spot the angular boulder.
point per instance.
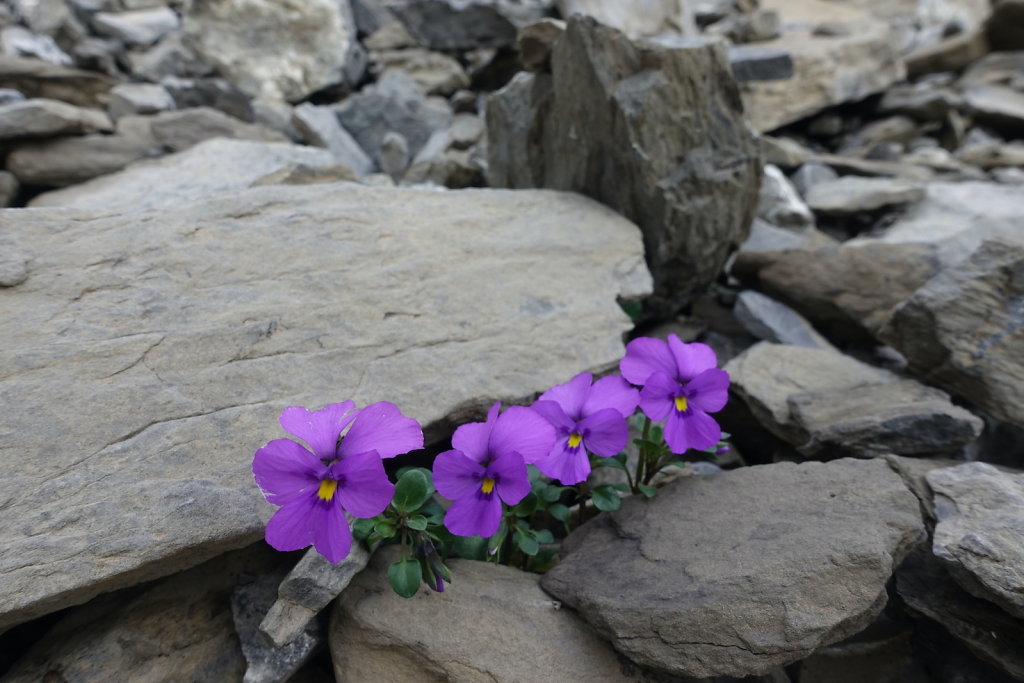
(734, 574)
(655, 131)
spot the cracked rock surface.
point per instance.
(150, 352)
(737, 573)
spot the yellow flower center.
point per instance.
(488, 485)
(575, 440)
(327, 489)
(681, 403)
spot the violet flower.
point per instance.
(682, 383)
(586, 417)
(487, 467)
(341, 474)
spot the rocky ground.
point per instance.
(223, 208)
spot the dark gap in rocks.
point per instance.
(16, 641)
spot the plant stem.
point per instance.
(641, 460)
(581, 493)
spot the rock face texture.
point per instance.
(980, 531)
(179, 335)
(493, 624)
(810, 548)
(964, 330)
(656, 133)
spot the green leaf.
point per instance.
(495, 541)
(657, 435)
(605, 498)
(433, 512)
(470, 547)
(405, 577)
(648, 491)
(417, 523)
(544, 536)
(559, 512)
(610, 462)
(385, 527)
(534, 474)
(551, 493)
(412, 490)
(526, 506)
(528, 544)
(362, 528)
(634, 309)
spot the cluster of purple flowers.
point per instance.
(341, 471)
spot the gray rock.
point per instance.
(767, 237)
(170, 57)
(951, 54)
(8, 96)
(208, 92)
(13, 261)
(66, 161)
(393, 155)
(772, 321)
(467, 24)
(313, 48)
(139, 98)
(997, 106)
(138, 27)
(767, 375)
(266, 663)
(851, 195)
(989, 155)
(915, 475)
(45, 118)
(737, 573)
(16, 41)
(177, 629)
(105, 55)
(779, 204)
(642, 19)
(535, 42)
(390, 36)
(964, 329)
(873, 167)
(35, 78)
(811, 174)
(320, 127)
(178, 364)
(9, 187)
(904, 418)
(436, 72)
(395, 103)
(754, 27)
(980, 531)
(440, 162)
(493, 623)
(922, 101)
(618, 138)
(179, 130)
(783, 151)
(371, 15)
(996, 68)
(305, 591)
(1008, 176)
(751, 63)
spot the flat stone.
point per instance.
(851, 195)
(36, 78)
(915, 475)
(783, 151)
(178, 364)
(436, 72)
(737, 573)
(45, 118)
(181, 129)
(997, 106)
(467, 24)
(320, 127)
(177, 629)
(779, 203)
(139, 98)
(691, 188)
(757, 63)
(873, 167)
(9, 187)
(773, 321)
(493, 623)
(980, 531)
(964, 330)
(17, 41)
(951, 54)
(811, 174)
(767, 237)
(209, 92)
(138, 27)
(535, 42)
(989, 155)
(642, 19)
(70, 160)
(922, 101)
(767, 375)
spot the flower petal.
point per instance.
(381, 427)
(363, 486)
(521, 430)
(605, 433)
(611, 392)
(511, 481)
(318, 428)
(474, 515)
(708, 391)
(658, 396)
(694, 429)
(472, 438)
(568, 465)
(645, 356)
(570, 395)
(553, 413)
(291, 527)
(456, 475)
(691, 359)
(285, 470)
(332, 538)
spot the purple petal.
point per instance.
(511, 481)
(658, 396)
(381, 427)
(691, 359)
(456, 475)
(285, 470)
(291, 527)
(644, 357)
(553, 413)
(474, 515)
(472, 438)
(709, 391)
(363, 486)
(521, 430)
(605, 433)
(612, 392)
(570, 395)
(693, 429)
(332, 537)
(568, 465)
(318, 428)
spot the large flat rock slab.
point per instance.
(148, 354)
(737, 573)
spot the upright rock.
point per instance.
(654, 131)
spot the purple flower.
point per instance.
(586, 418)
(315, 489)
(680, 382)
(487, 467)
